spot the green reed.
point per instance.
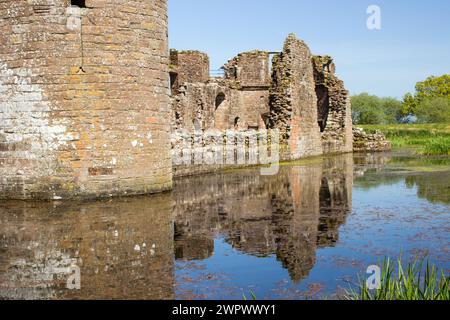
(417, 281)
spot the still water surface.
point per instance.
(304, 233)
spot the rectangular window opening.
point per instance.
(78, 3)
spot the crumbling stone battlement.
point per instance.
(293, 102)
(188, 67)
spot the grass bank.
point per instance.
(427, 139)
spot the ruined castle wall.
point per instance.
(302, 99)
(253, 107)
(215, 108)
(217, 105)
(293, 101)
(203, 106)
(334, 107)
(84, 99)
(211, 151)
(249, 69)
(191, 66)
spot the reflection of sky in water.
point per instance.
(386, 220)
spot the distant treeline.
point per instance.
(429, 104)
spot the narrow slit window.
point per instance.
(78, 3)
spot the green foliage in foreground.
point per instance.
(251, 294)
(418, 281)
(428, 139)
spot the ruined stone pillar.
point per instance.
(84, 98)
(293, 101)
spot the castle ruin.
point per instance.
(291, 91)
(91, 100)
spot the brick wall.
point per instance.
(249, 69)
(190, 66)
(84, 99)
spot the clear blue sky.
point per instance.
(414, 41)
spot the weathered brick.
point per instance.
(70, 79)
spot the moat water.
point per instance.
(305, 233)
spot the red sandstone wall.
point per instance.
(249, 69)
(84, 98)
(293, 101)
(334, 107)
(191, 66)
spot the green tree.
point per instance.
(434, 110)
(370, 109)
(433, 87)
(409, 105)
(393, 110)
(431, 100)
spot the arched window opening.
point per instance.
(219, 100)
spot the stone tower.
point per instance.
(84, 98)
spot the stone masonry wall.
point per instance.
(293, 101)
(84, 99)
(334, 107)
(302, 99)
(249, 69)
(236, 103)
(190, 66)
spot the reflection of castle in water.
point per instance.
(125, 247)
(290, 214)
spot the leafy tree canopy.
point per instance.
(430, 89)
(369, 109)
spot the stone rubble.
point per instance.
(375, 142)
